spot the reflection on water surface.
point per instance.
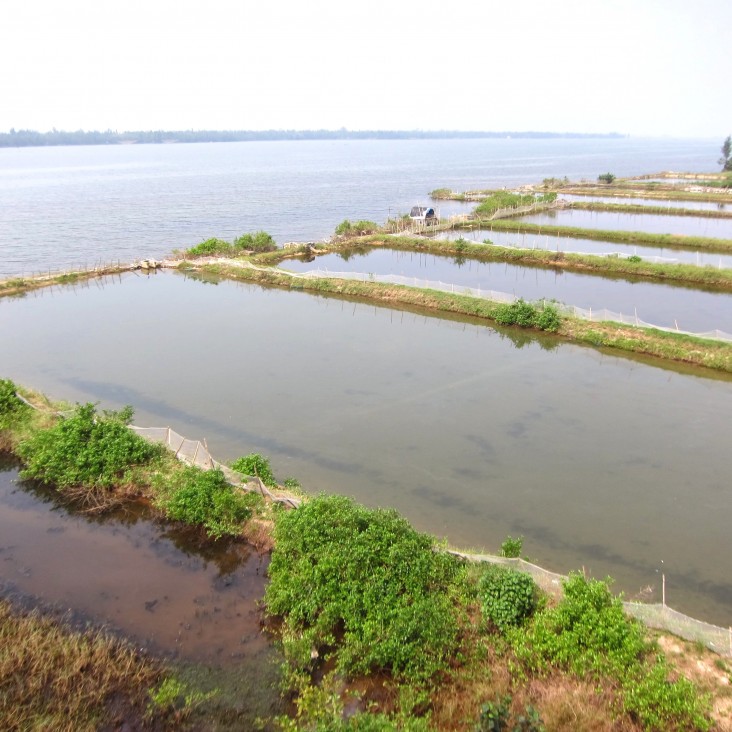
(473, 434)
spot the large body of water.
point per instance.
(70, 206)
(613, 463)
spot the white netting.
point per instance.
(504, 297)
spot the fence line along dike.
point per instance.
(658, 615)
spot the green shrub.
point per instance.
(512, 547)
(255, 464)
(12, 409)
(209, 248)
(356, 228)
(203, 497)
(259, 241)
(548, 318)
(86, 449)
(507, 597)
(366, 581)
(660, 704)
(606, 178)
(634, 258)
(586, 633)
(545, 317)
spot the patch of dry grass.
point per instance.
(52, 678)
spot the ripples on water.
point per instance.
(71, 206)
(472, 433)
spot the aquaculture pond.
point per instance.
(692, 205)
(154, 584)
(648, 223)
(612, 463)
(523, 240)
(662, 304)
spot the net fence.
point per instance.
(595, 315)
(658, 616)
(195, 452)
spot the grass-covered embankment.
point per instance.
(687, 274)
(671, 346)
(638, 208)
(627, 237)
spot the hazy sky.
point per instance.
(643, 67)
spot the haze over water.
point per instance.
(72, 206)
(601, 461)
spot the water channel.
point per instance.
(522, 240)
(157, 585)
(612, 463)
(649, 223)
(654, 302)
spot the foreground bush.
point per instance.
(12, 409)
(507, 597)
(589, 635)
(257, 465)
(365, 581)
(204, 498)
(87, 449)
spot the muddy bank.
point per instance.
(194, 603)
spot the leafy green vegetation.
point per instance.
(257, 465)
(505, 199)
(356, 228)
(507, 597)
(511, 547)
(606, 178)
(588, 634)
(363, 581)
(12, 409)
(259, 241)
(86, 449)
(543, 316)
(205, 498)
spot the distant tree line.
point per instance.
(32, 138)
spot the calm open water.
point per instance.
(599, 461)
(71, 206)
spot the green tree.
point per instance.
(726, 160)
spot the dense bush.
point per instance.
(507, 597)
(606, 178)
(259, 241)
(356, 228)
(511, 547)
(86, 449)
(544, 317)
(203, 497)
(12, 409)
(366, 580)
(209, 248)
(255, 464)
(586, 633)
